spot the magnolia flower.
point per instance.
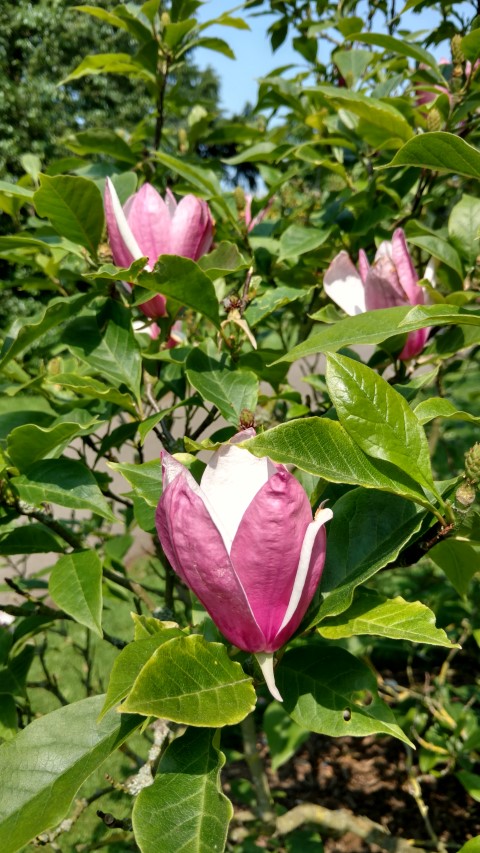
(147, 226)
(244, 541)
(390, 281)
(250, 221)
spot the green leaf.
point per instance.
(203, 179)
(367, 532)
(463, 227)
(45, 764)
(75, 585)
(74, 206)
(283, 734)
(30, 539)
(403, 48)
(28, 443)
(8, 717)
(438, 248)
(87, 386)
(439, 407)
(146, 478)
(376, 113)
(106, 342)
(378, 418)
(184, 810)
(224, 259)
(440, 151)
(65, 482)
(56, 313)
(184, 281)
(101, 141)
(352, 64)
(471, 783)
(190, 681)
(472, 846)
(216, 44)
(373, 327)
(16, 190)
(125, 21)
(130, 663)
(230, 389)
(324, 448)
(297, 240)
(327, 690)
(109, 272)
(109, 63)
(458, 560)
(272, 300)
(395, 618)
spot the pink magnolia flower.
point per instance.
(148, 226)
(390, 281)
(427, 95)
(244, 541)
(250, 221)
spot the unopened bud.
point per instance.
(465, 494)
(247, 419)
(165, 19)
(472, 463)
(240, 200)
(434, 120)
(458, 56)
(232, 302)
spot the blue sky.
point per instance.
(254, 57)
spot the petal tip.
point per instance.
(265, 662)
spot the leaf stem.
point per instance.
(257, 770)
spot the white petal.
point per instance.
(171, 202)
(321, 517)
(265, 662)
(385, 250)
(230, 481)
(123, 226)
(429, 273)
(343, 284)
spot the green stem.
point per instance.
(257, 771)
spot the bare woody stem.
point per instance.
(257, 771)
(162, 85)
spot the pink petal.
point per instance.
(171, 202)
(406, 271)
(363, 265)
(266, 549)
(414, 344)
(123, 244)
(155, 307)
(344, 285)
(195, 549)
(382, 287)
(310, 567)
(192, 228)
(149, 219)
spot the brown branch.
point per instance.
(339, 822)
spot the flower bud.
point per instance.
(472, 463)
(465, 494)
(434, 120)
(245, 542)
(458, 56)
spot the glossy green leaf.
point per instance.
(375, 112)
(130, 663)
(119, 18)
(8, 717)
(327, 690)
(65, 482)
(373, 327)
(284, 736)
(203, 179)
(439, 407)
(45, 764)
(459, 560)
(471, 783)
(323, 447)
(106, 342)
(438, 248)
(16, 190)
(472, 846)
(443, 152)
(230, 389)
(59, 310)
(463, 227)
(224, 259)
(190, 681)
(367, 532)
(185, 809)
(109, 63)
(146, 478)
(74, 206)
(401, 47)
(101, 141)
(272, 300)
(471, 45)
(378, 418)
(75, 584)
(87, 386)
(28, 443)
(184, 281)
(30, 538)
(395, 618)
(297, 240)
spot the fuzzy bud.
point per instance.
(247, 419)
(465, 494)
(458, 56)
(165, 19)
(434, 120)
(240, 200)
(472, 463)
